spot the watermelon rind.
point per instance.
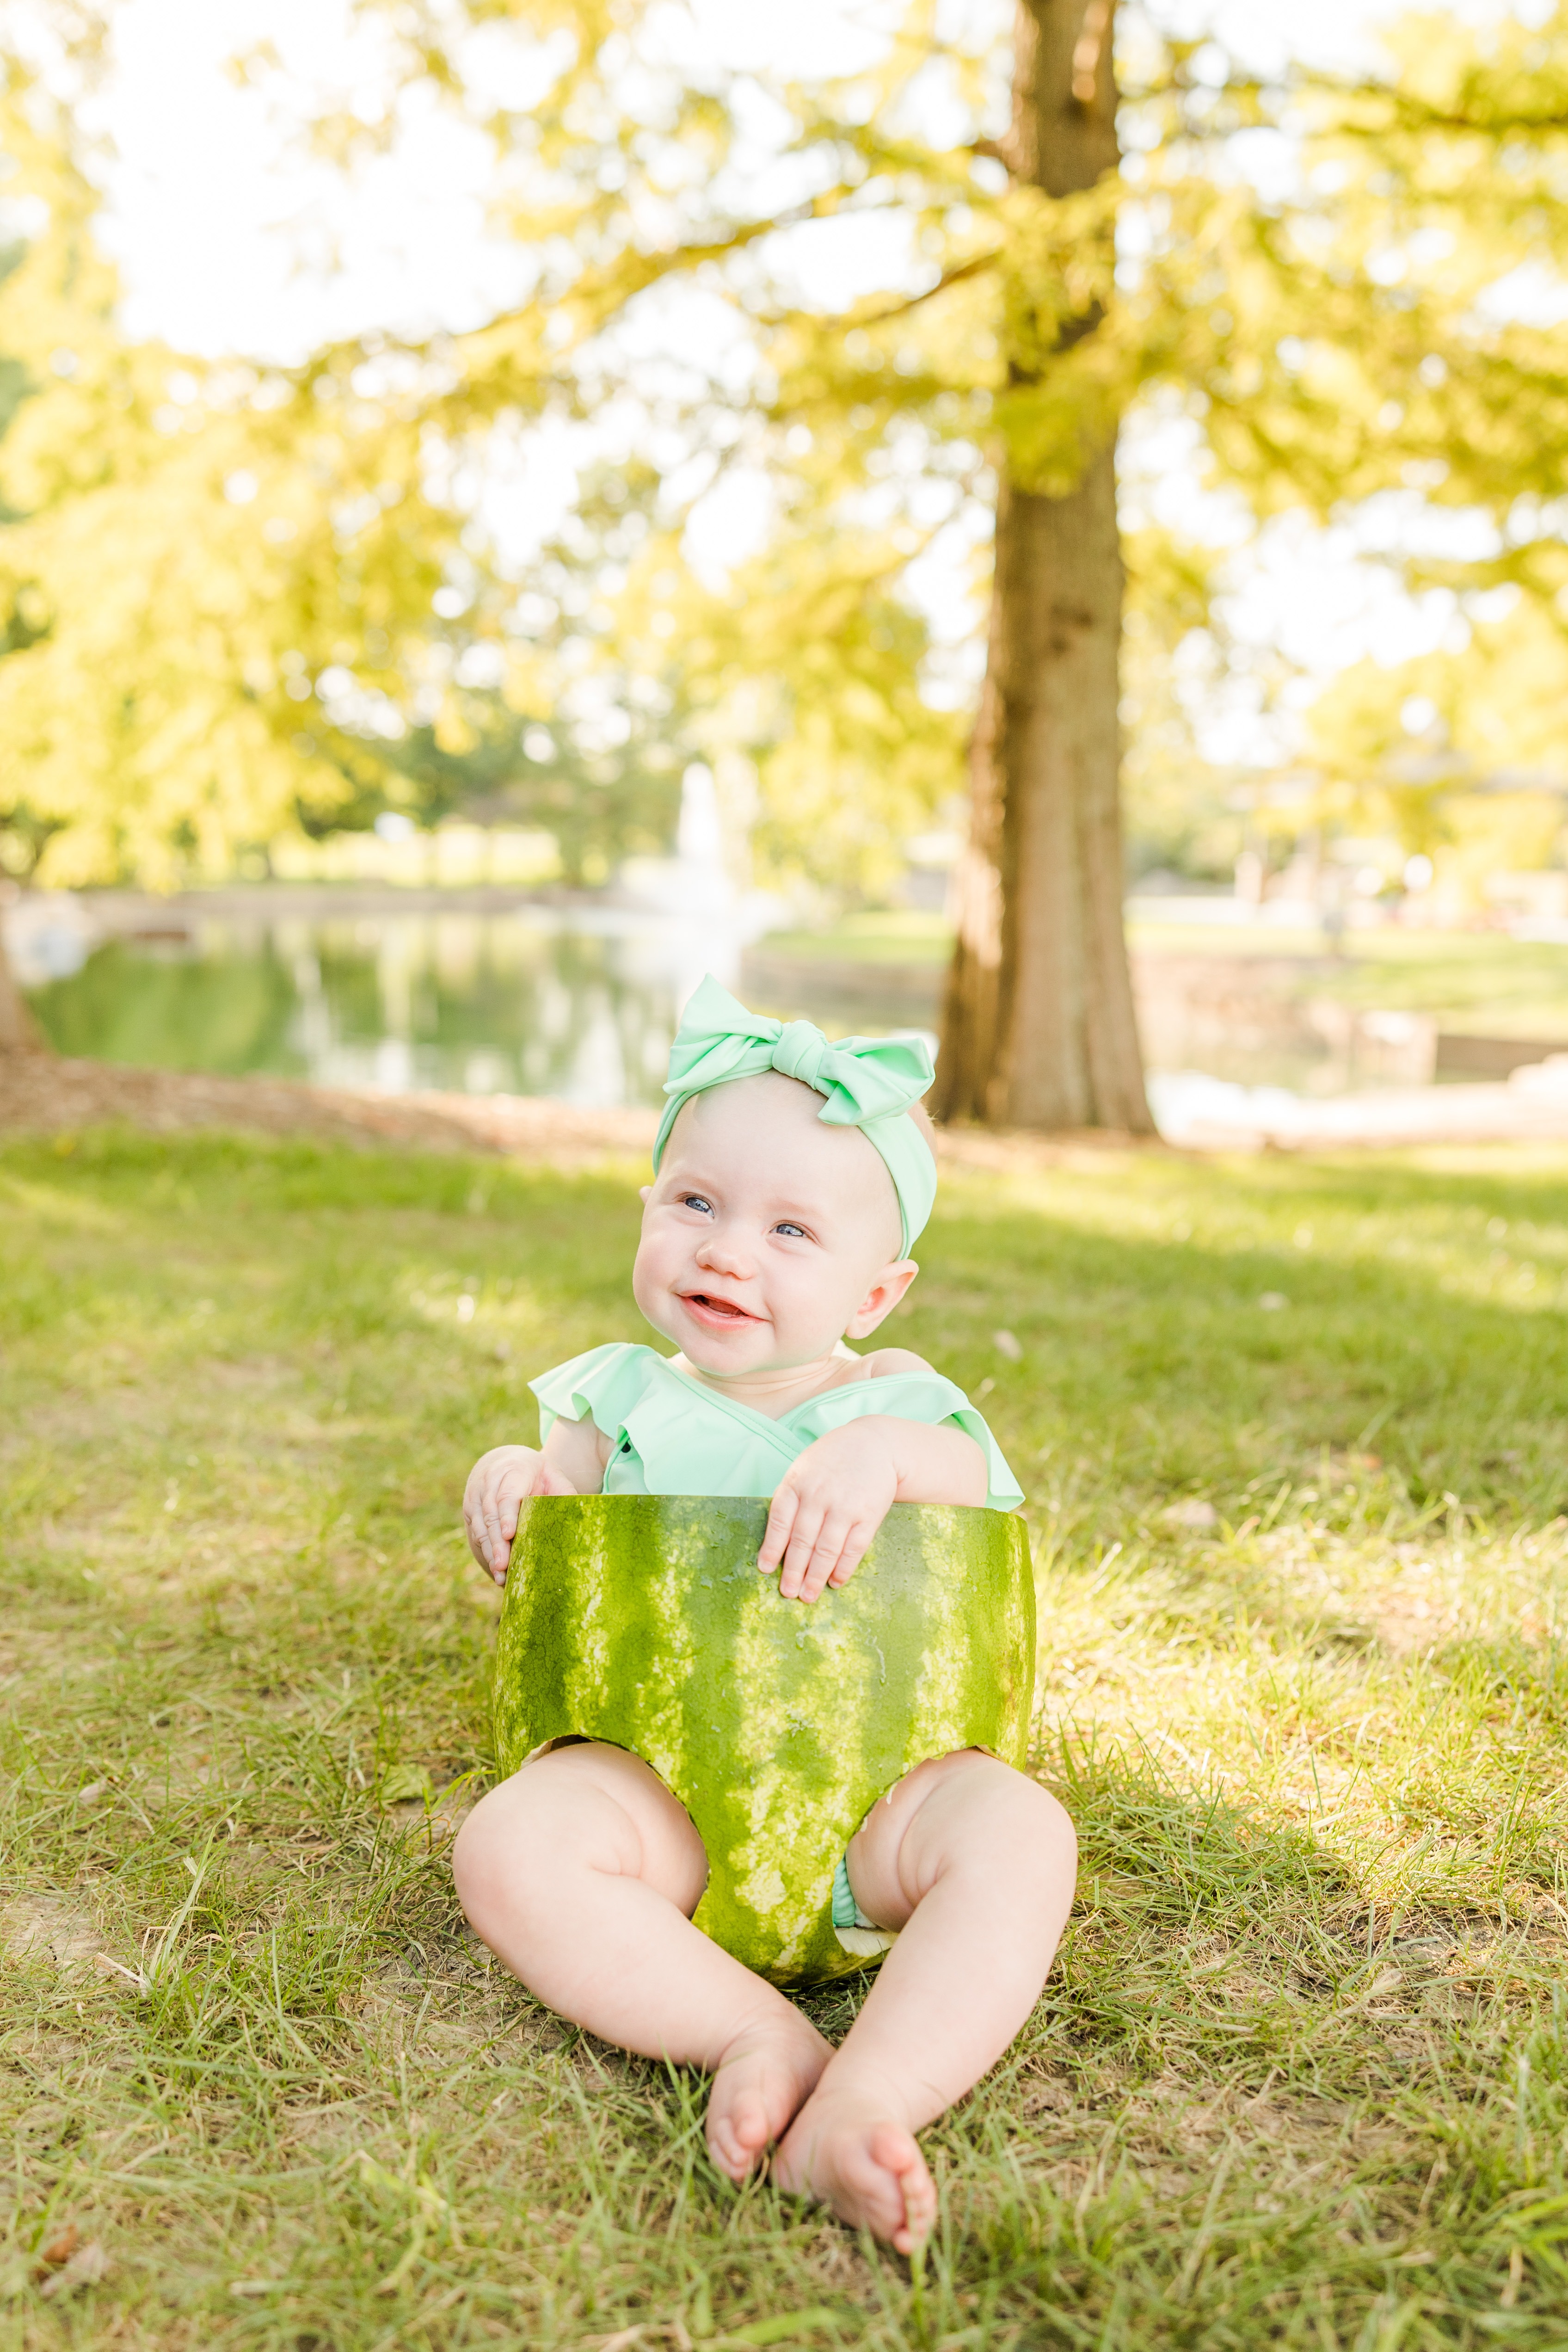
(642, 1620)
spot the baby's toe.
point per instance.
(913, 2192)
(737, 2135)
(725, 2149)
(862, 2186)
(750, 2127)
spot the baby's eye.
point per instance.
(696, 1201)
(794, 1233)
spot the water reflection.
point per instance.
(479, 1004)
(579, 1001)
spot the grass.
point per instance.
(879, 935)
(1477, 982)
(1300, 2076)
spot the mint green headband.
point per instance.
(870, 1083)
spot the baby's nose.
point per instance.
(723, 1253)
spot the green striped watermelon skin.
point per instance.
(642, 1620)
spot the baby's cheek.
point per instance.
(644, 1267)
(829, 1292)
(803, 1306)
(652, 1275)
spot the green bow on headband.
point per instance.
(869, 1082)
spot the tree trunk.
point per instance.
(19, 1032)
(1037, 1028)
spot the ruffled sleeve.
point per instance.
(919, 1396)
(601, 1386)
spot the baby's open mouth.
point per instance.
(717, 1312)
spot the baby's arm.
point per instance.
(570, 1462)
(833, 1497)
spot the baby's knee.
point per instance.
(998, 1802)
(476, 1851)
(1046, 1825)
(510, 1848)
(1017, 1846)
(1005, 1829)
(967, 1816)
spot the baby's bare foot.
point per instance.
(757, 2084)
(845, 2148)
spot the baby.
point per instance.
(778, 1227)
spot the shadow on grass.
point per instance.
(1151, 1355)
(1203, 1361)
(1194, 1861)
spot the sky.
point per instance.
(229, 238)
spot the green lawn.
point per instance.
(1298, 2078)
(880, 936)
(1479, 982)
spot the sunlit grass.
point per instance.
(1479, 982)
(1294, 1438)
(902, 935)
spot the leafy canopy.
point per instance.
(242, 594)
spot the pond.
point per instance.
(578, 1000)
(518, 1001)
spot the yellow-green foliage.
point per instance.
(1462, 756)
(1354, 330)
(186, 550)
(1348, 334)
(1178, 808)
(806, 672)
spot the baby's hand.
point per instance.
(498, 1483)
(829, 1504)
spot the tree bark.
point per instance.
(1037, 1028)
(19, 1032)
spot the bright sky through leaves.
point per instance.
(230, 237)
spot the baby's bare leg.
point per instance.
(580, 1873)
(976, 1864)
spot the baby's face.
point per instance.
(768, 1237)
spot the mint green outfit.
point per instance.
(673, 1436)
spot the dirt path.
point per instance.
(42, 1095)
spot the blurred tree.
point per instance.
(18, 823)
(239, 600)
(551, 718)
(1461, 757)
(605, 728)
(1323, 287)
(799, 684)
(1326, 292)
(1180, 808)
(191, 558)
(188, 557)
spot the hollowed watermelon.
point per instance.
(642, 1620)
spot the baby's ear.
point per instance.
(882, 1298)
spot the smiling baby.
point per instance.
(779, 1228)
